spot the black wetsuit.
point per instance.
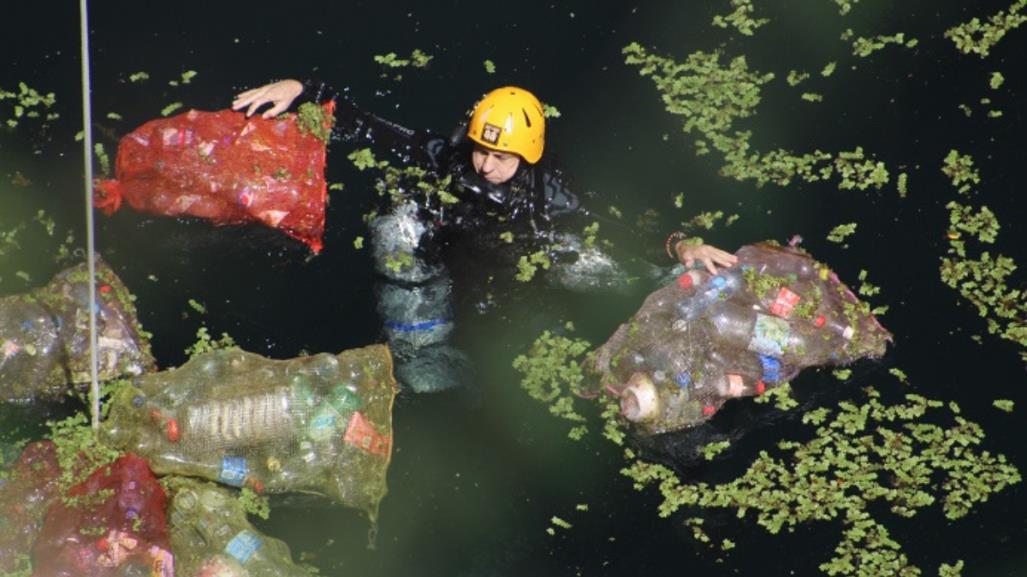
(532, 211)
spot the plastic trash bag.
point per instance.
(26, 493)
(211, 536)
(320, 424)
(44, 335)
(227, 168)
(702, 340)
(115, 526)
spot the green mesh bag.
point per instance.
(320, 424)
(44, 335)
(211, 537)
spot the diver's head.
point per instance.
(507, 126)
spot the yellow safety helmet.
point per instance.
(509, 119)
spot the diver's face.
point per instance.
(493, 165)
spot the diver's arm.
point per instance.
(352, 124)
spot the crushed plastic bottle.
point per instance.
(319, 424)
(699, 342)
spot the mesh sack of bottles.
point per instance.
(227, 168)
(111, 524)
(319, 424)
(27, 489)
(705, 339)
(211, 536)
(44, 335)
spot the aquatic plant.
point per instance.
(864, 47)
(841, 232)
(552, 374)
(28, 103)
(977, 37)
(860, 454)
(712, 97)
(741, 18)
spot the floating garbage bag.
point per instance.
(111, 524)
(25, 494)
(44, 335)
(320, 424)
(211, 537)
(227, 168)
(704, 339)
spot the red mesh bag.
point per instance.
(227, 168)
(117, 527)
(25, 496)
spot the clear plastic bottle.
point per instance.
(718, 288)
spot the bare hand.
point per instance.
(280, 94)
(708, 255)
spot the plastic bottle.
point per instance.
(718, 288)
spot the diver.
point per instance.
(493, 164)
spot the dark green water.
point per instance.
(476, 478)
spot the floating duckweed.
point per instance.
(864, 47)
(679, 200)
(781, 395)
(138, 76)
(528, 265)
(101, 156)
(902, 184)
(581, 507)
(828, 69)
(28, 102)
(795, 77)
(899, 374)
(865, 453)
(188, 76)
(550, 111)
(711, 450)
(506, 237)
(1004, 405)
(358, 242)
(79, 451)
(842, 374)
(865, 288)
(812, 97)
(712, 97)
(552, 372)
(976, 37)
(167, 110)
(841, 232)
(844, 6)
(398, 261)
(960, 168)
(705, 220)
(205, 343)
(390, 60)
(996, 80)
(967, 111)
(255, 504)
(490, 66)
(741, 19)
(197, 306)
(364, 159)
(311, 119)
(419, 59)
(113, 116)
(560, 522)
(589, 234)
(731, 219)
(946, 570)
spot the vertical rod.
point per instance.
(87, 144)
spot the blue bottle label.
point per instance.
(243, 546)
(233, 471)
(771, 368)
(683, 379)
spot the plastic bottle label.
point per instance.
(243, 546)
(683, 379)
(771, 368)
(784, 303)
(323, 424)
(769, 335)
(735, 385)
(233, 471)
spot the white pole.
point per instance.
(87, 144)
